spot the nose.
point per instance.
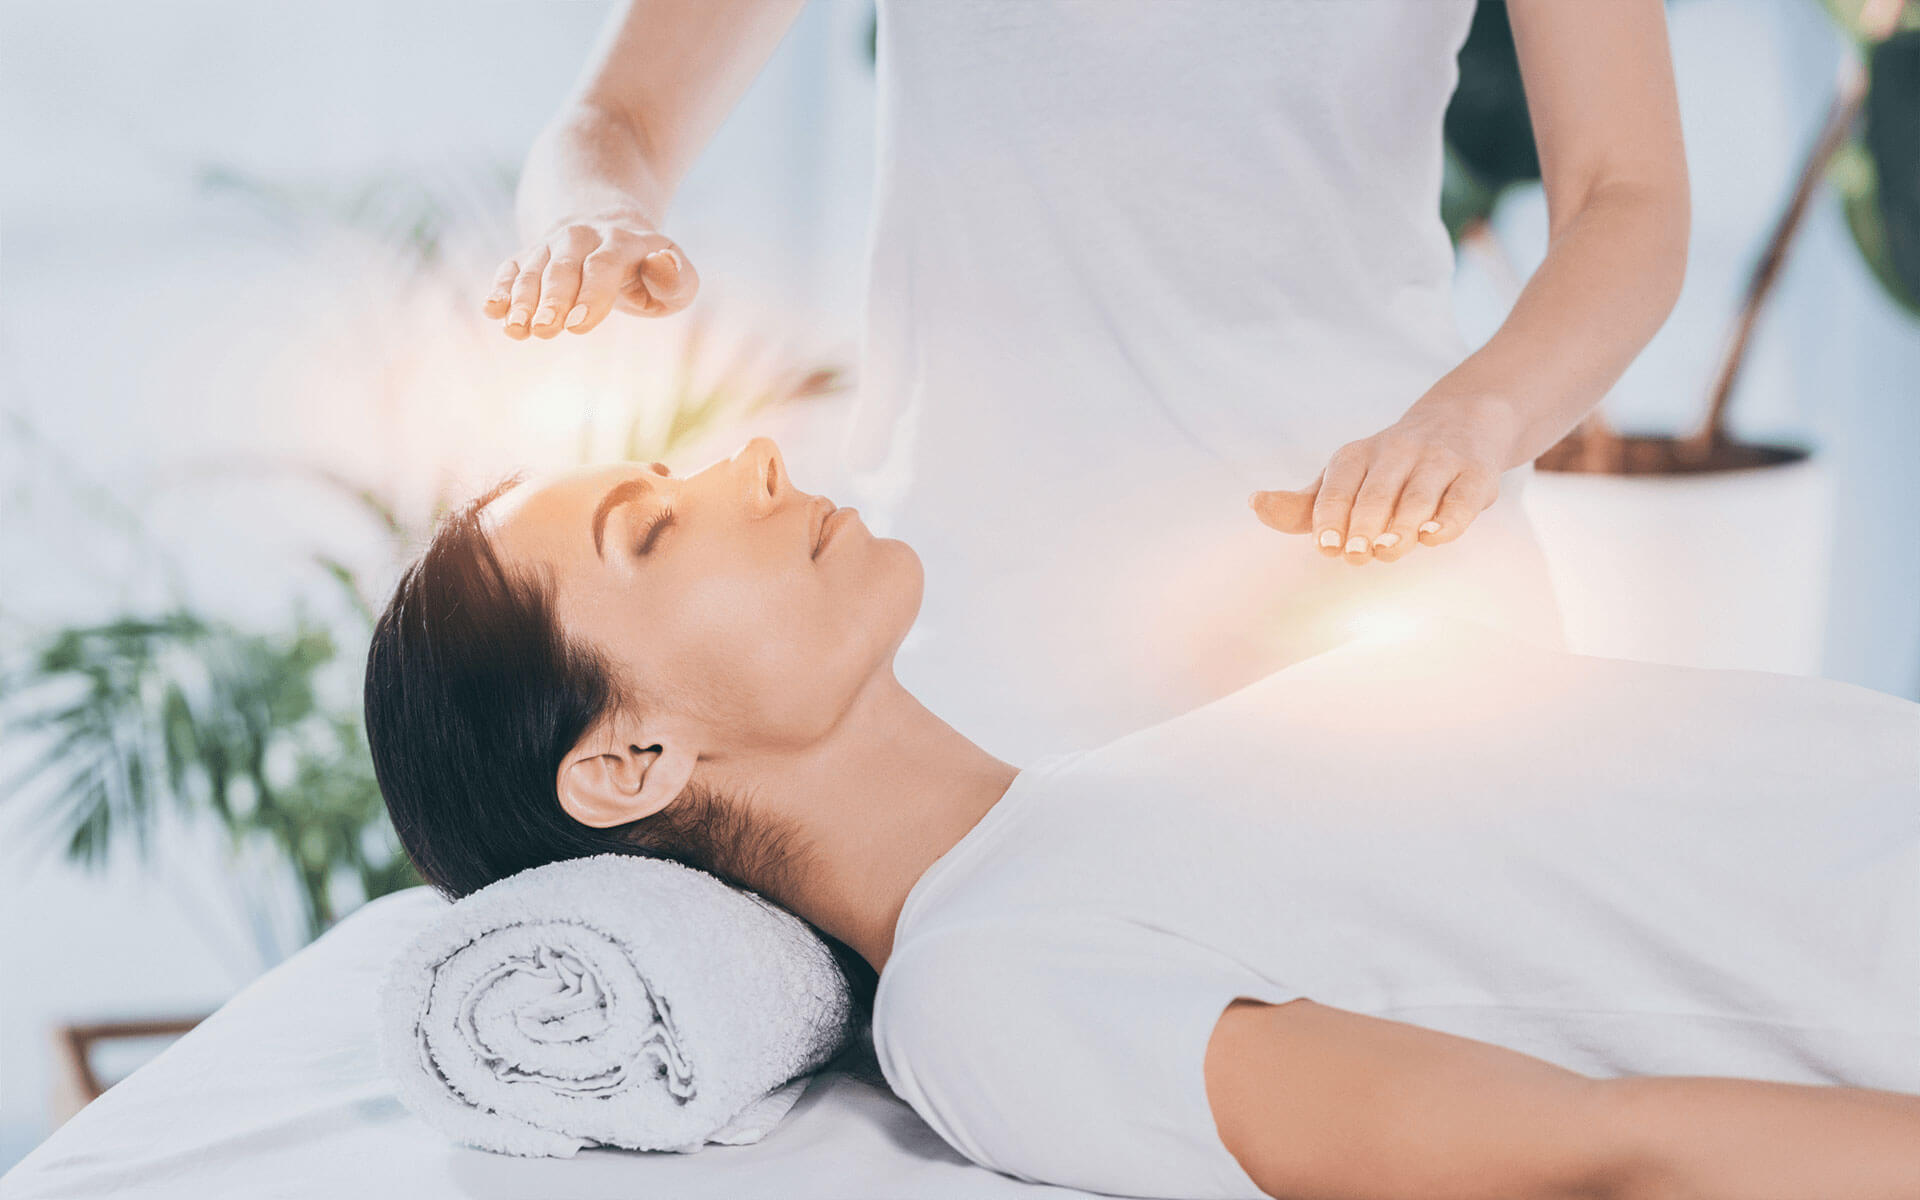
(763, 473)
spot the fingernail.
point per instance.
(1329, 537)
(498, 298)
(1386, 541)
(577, 317)
(1253, 499)
(517, 318)
(1356, 544)
(1430, 527)
(667, 263)
(545, 317)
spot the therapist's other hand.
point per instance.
(1421, 480)
(585, 268)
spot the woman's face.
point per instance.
(706, 593)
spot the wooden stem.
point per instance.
(1880, 19)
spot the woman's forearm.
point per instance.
(1737, 1139)
(665, 75)
(1607, 283)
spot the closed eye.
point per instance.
(651, 533)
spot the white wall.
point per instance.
(144, 323)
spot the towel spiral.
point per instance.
(613, 1000)
(573, 993)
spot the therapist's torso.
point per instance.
(1130, 260)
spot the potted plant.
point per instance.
(1608, 503)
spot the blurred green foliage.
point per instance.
(136, 713)
(1488, 130)
(1878, 173)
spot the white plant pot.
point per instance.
(1714, 570)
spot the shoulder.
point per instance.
(952, 1013)
(1065, 1049)
(946, 985)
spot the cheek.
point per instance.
(765, 651)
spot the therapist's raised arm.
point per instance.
(1606, 117)
(599, 178)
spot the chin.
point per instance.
(906, 579)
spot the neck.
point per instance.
(889, 790)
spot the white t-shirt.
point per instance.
(1131, 260)
(1622, 868)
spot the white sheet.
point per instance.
(280, 1093)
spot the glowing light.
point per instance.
(1385, 625)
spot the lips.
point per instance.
(822, 511)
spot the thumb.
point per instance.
(1287, 511)
(669, 278)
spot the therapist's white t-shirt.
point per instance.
(1622, 868)
(1131, 260)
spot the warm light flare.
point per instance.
(1385, 625)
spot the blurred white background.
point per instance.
(154, 321)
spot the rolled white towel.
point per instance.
(611, 1000)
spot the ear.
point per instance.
(615, 774)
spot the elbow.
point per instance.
(1665, 227)
(1671, 233)
(1651, 221)
(1678, 221)
(1666, 224)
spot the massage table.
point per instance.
(280, 1093)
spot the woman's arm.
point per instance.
(1316, 1101)
(1606, 119)
(1740, 1139)
(599, 178)
(1319, 1102)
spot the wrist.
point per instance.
(590, 165)
(1485, 425)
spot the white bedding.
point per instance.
(280, 1093)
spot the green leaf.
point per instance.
(1853, 175)
(1487, 123)
(1892, 137)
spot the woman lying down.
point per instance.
(1421, 918)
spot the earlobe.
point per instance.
(606, 781)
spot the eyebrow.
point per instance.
(620, 493)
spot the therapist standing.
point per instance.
(1160, 374)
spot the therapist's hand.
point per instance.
(1422, 480)
(586, 267)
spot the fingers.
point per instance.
(560, 282)
(1331, 507)
(1287, 511)
(1373, 507)
(1416, 506)
(1379, 498)
(1467, 497)
(500, 295)
(620, 273)
(600, 278)
(525, 293)
(584, 271)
